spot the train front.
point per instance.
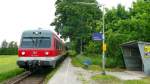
(35, 49)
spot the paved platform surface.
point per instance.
(66, 74)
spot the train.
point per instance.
(40, 48)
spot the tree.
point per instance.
(4, 44)
(123, 26)
(12, 44)
(77, 21)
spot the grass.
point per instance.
(108, 79)
(95, 68)
(78, 61)
(145, 80)
(8, 67)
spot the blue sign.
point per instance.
(97, 36)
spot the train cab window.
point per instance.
(27, 42)
(44, 42)
(36, 42)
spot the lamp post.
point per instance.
(103, 35)
(104, 45)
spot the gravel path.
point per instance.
(65, 74)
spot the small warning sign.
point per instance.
(104, 47)
(147, 51)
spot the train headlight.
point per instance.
(46, 53)
(36, 33)
(23, 53)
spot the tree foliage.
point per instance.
(79, 21)
(8, 48)
(126, 25)
(4, 44)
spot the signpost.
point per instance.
(100, 37)
(97, 36)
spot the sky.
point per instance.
(19, 15)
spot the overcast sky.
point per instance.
(19, 15)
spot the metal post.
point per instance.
(81, 47)
(103, 54)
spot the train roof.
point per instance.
(37, 33)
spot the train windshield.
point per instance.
(36, 42)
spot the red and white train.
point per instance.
(39, 48)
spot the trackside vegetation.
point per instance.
(107, 79)
(8, 67)
(79, 21)
(96, 64)
(78, 61)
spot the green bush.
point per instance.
(76, 62)
(95, 59)
(72, 53)
(92, 48)
(111, 62)
(8, 51)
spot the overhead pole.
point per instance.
(103, 44)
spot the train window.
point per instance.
(27, 42)
(57, 44)
(44, 42)
(36, 42)
(54, 43)
(60, 46)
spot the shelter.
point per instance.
(137, 56)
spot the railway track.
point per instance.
(35, 77)
(28, 77)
